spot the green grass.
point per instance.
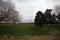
(25, 29)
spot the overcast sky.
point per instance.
(28, 8)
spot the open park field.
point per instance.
(28, 32)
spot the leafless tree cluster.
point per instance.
(8, 12)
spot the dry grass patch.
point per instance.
(42, 37)
(28, 37)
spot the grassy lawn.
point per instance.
(25, 29)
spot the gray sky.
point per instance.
(28, 8)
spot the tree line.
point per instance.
(46, 18)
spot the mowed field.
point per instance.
(25, 29)
(26, 32)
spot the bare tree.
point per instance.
(8, 12)
(57, 12)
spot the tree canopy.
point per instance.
(46, 18)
